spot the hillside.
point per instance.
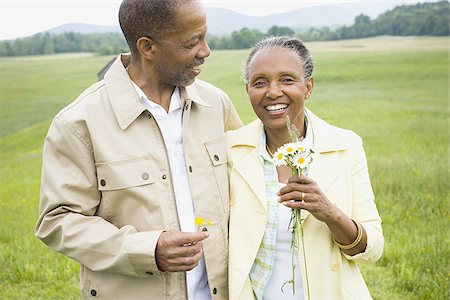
(224, 21)
(431, 19)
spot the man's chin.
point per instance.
(186, 83)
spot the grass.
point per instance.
(394, 97)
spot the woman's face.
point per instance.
(277, 87)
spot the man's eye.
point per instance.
(192, 45)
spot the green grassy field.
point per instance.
(391, 91)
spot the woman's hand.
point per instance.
(342, 228)
(300, 187)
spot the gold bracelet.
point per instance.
(356, 241)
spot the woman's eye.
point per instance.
(258, 83)
(287, 80)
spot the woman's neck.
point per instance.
(276, 138)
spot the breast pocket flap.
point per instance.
(216, 151)
(123, 174)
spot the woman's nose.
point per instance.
(274, 91)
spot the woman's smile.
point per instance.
(276, 107)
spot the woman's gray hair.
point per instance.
(282, 42)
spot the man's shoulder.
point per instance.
(204, 85)
(205, 90)
(89, 99)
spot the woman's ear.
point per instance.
(310, 85)
(146, 47)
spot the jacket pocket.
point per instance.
(123, 174)
(217, 154)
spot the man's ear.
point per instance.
(146, 47)
(246, 87)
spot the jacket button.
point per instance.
(334, 267)
(102, 182)
(164, 177)
(204, 229)
(190, 169)
(214, 291)
(216, 158)
(94, 293)
(145, 176)
(186, 106)
(149, 115)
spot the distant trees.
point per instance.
(45, 43)
(246, 38)
(419, 19)
(431, 18)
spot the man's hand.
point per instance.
(178, 251)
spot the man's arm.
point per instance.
(69, 200)
(231, 118)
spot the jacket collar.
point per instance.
(124, 98)
(326, 137)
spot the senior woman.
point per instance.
(341, 225)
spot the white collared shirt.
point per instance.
(170, 124)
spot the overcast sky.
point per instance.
(20, 18)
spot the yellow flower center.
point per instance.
(280, 156)
(300, 160)
(198, 221)
(289, 149)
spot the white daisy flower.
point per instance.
(289, 148)
(301, 160)
(279, 158)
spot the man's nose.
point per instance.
(205, 51)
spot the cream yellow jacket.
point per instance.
(340, 169)
(106, 190)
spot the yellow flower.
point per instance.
(198, 221)
(208, 222)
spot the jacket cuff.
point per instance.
(141, 248)
(374, 248)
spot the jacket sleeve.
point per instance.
(231, 117)
(364, 209)
(69, 199)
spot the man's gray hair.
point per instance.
(147, 18)
(283, 42)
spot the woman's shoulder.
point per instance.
(245, 135)
(331, 135)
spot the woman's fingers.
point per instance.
(300, 179)
(294, 195)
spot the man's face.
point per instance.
(184, 48)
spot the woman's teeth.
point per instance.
(276, 107)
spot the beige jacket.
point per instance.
(106, 191)
(340, 169)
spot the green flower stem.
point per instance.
(304, 253)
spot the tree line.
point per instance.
(46, 43)
(419, 19)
